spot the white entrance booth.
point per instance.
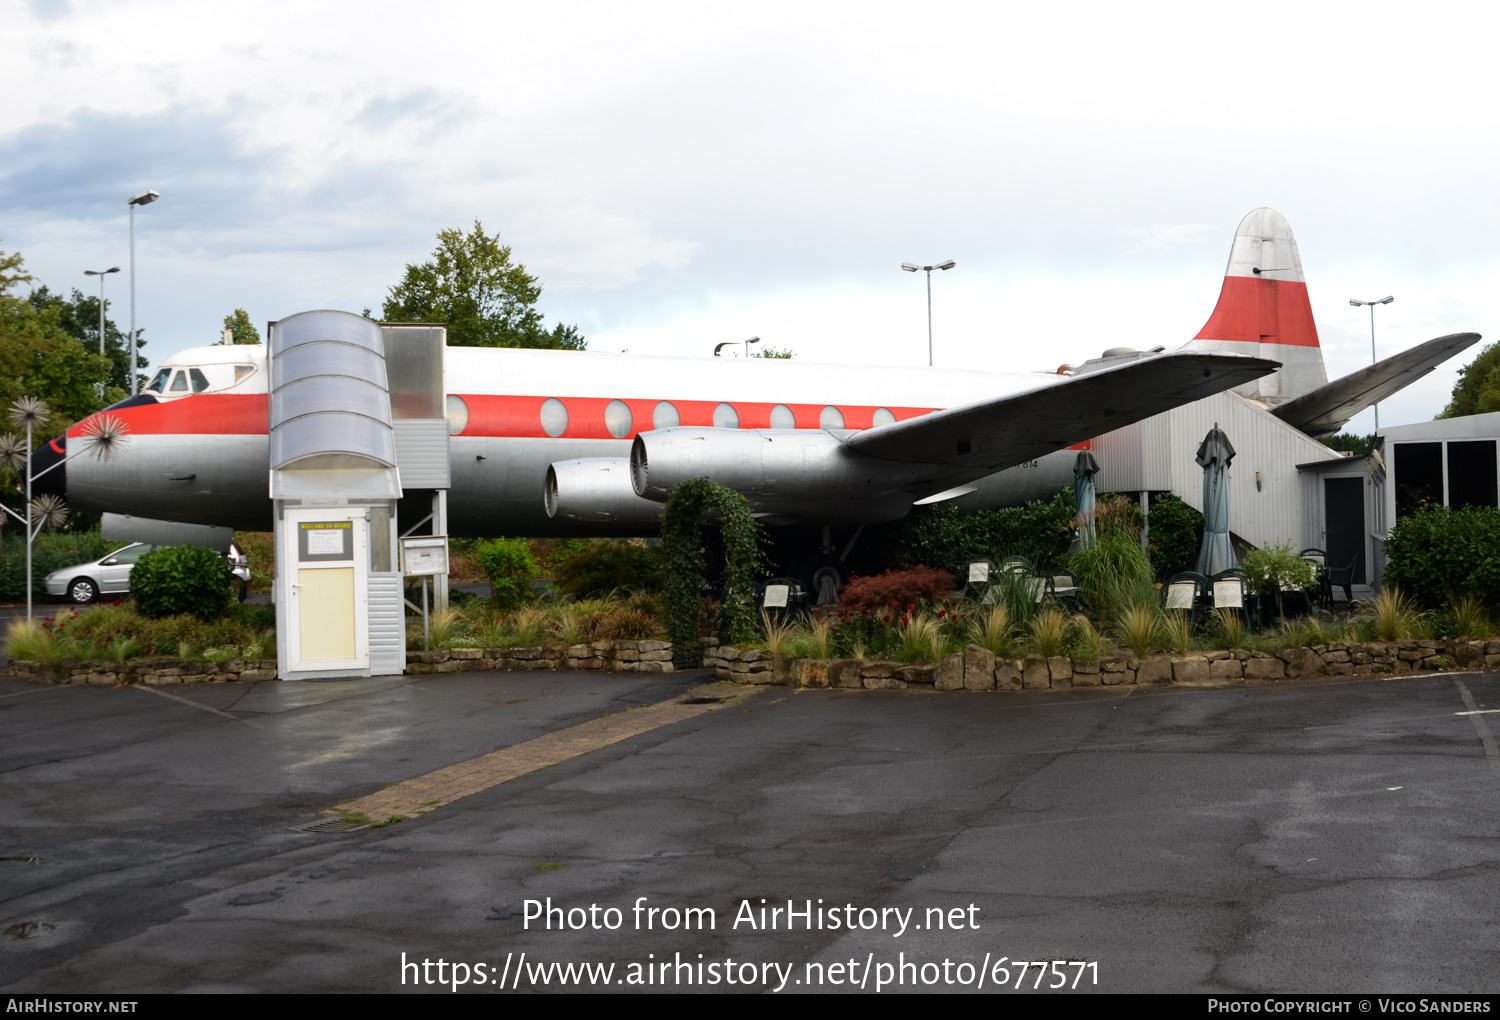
(352, 406)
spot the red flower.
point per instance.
(910, 606)
(942, 613)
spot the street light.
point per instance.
(726, 343)
(1356, 302)
(144, 198)
(101, 273)
(912, 267)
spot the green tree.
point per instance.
(241, 329)
(471, 285)
(79, 318)
(1348, 442)
(1478, 388)
(777, 353)
(39, 358)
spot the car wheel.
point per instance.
(244, 590)
(82, 590)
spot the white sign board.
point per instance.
(776, 595)
(979, 573)
(424, 556)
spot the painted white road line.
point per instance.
(1476, 716)
(1480, 711)
(192, 704)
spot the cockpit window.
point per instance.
(179, 383)
(200, 381)
(241, 371)
(160, 380)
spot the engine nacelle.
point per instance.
(597, 490)
(767, 465)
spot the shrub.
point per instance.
(1139, 629)
(1273, 569)
(629, 625)
(1438, 553)
(1113, 574)
(921, 638)
(1049, 631)
(1390, 616)
(991, 629)
(182, 579)
(895, 589)
(629, 565)
(510, 567)
(946, 537)
(1175, 534)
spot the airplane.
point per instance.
(560, 443)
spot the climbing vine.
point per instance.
(682, 523)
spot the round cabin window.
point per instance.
(554, 417)
(782, 417)
(883, 417)
(665, 416)
(617, 418)
(831, 418)
(458, 414)
(726, 417)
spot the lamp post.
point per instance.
(144, 198)
(101, 273)
(1356, 302)
(912, 267)
(726, 343)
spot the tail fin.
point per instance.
(1263, 310)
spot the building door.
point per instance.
(1344, 523)
(327, 606)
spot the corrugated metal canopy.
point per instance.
(330, 407)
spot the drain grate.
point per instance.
(332, 825)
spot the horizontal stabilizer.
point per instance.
(1326, 409)
(980, 438)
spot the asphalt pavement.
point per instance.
(1329, 836)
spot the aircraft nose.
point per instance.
(43, 457)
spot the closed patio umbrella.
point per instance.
(1215, 456)
(1084, 498)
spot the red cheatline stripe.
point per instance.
(489, 416)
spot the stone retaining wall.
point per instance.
(978, 670)
(144, 671)
(973, 670)
(618, 656)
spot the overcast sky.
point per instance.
(681, 174)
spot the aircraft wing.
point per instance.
(1325, 410)
(991, 435)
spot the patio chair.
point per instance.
(782, 597)
(1018, 565)
(1187, 590)
(1062, 584)
(1318, 559)
(1229, 590)
(1340, 577)
(980, 574)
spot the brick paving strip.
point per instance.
(424, 793)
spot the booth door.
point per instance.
(328, 615)
(1344, 523)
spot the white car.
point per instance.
(85, 582)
